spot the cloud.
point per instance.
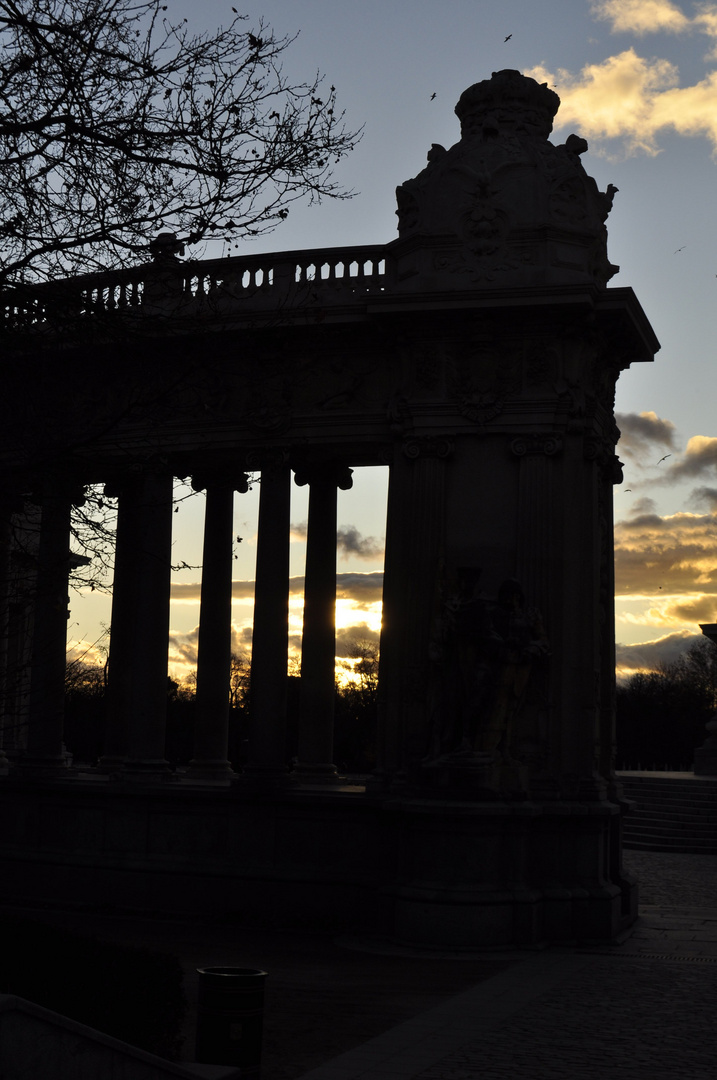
(651, 655)
(700, 459)
(704, 496)
(364, 589)
(644, 505)
(655, 16)
(671, 561)
(706, 20)
(640, 432)
(183, 646)
(347, 638)
(628, 97)
(351, 542)
(189, 592)
(641, 16)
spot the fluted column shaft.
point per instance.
(270, 639)
(211, 729)
(318, 643)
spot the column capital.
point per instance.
(220, 476)
(58, 487)
(324, 472)
(267, 458)
(532, 443)
(125, 476)
(428, 446)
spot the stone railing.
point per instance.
(168, 287)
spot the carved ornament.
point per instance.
(428, 446)
(549, 445)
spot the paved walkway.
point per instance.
(644, 1010)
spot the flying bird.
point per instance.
(433, 95)
(664, 458)
(507, 39)
(679, 249)
(626, 490)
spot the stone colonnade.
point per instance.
(137, 683)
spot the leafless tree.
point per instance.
(117, 121)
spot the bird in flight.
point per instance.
(664, 458)
(626, 490)
(507, 39)
(679, 249)
(433, 95)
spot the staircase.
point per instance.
(672, 814)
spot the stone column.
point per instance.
(6, 512)
(318, 643)
(415, 535)
(139, 639)
(45, 750)
(270, 640)
(211, 731)
(122, 622)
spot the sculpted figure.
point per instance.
(522, 639)
(462, 651)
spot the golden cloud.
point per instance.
(641, 16)
(633, 99)
(700, 458)
(706, 20)
(676, 555)
(363, 589)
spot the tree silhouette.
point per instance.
(661, 715)
(117, 122)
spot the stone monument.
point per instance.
(476, 355)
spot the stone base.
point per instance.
(705, 763)
(428, 871)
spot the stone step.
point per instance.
(699, 817)
(648, 833)
(673, 793)
(689, 793)
(677, 848)
(657, 800)
(671, 815)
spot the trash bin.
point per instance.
(230, 1018)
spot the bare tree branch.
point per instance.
(117, 122)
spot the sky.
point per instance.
(638, 80)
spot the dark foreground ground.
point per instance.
(645, 1008)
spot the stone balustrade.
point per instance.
(169, 286)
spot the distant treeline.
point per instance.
(354, 715)
(661, 715)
